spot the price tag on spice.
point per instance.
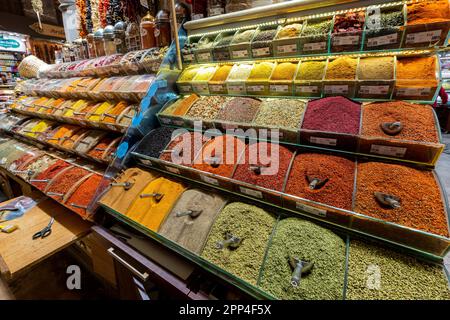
(308, 209)
(388, 150)
(216, 87)
(188, 57)
(216, 11)
(323, 141)
(307, 89)
(173, 170)
(239, 88)
(415, 92)
(333, 89)
(376, 90)
(345, 40)
(261, 52)
(200, 87)
(279, 88)
(146, 162)
(209, 180)
(178, 122)
(314, 46)
(165, 120)
(382, 40)
(204, 56)
(185, 88)
(240, 54)
(255, 88)
(287, 48)
(251, 192)
(426, 36)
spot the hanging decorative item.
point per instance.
(89, 25)
(81, 7)
(39, 9)
(130, 11)
(95, 15)
(115, 12)
(103, 9)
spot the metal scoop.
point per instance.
(392, 128)
(230, 241)
(156, 196)
(316, 183)
(257, 169)
(213, 162)
(387, 200)
(300, 268)
(126, 185)
(192, 213)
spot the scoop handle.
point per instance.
(296, 275)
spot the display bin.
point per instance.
(221, 48)
(217, 87)
(374, 89)
(241, 50)
(253, 191)
(190, 123)
(237, 87)
(405, 236)
(315, 44)
(281, 87)
(168, 119)
(387, 37)
(416, 90)
(151, 61)
(308, 87)
(212, 179)
(426, 35)
(285, 134)
(110, 66)
(257, 87)
(346, 41)
(339, 88)
(185, 86)
(130, 63)
(262, 49)
(204, 54)
(201, 86)
(188, 54)
(286, 46)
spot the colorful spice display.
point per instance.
(83, 195)
(191, 230)
(39, 165)
(89, 141)
(24, 159)
(261, 71)
(417, 120)
(222, 73)
(337, 173)
(388, 20)
(290, 31)
(284, 71)
(333, 114)
(311, 70)
(416, 72)
(154, 202)
(400, 277)
(104, 107)
(184, 148)
(188, 74)
(264, 38)
(225, 40)
(377, 68)
(342, 68)
(220, 155)
(61, 184)
(419, 206)
(113, 113)
(153, 143)
(239, 109)
(265, 165)
(17, 152)
(100, 148)
(45, 176)
(313, 28)
(205, 42)
(69, 142)
(61, 133)
(253, 226)
(349, 22)
(280, 113)
(240, 72)
(244, 36)
(309, 243)
(206, 108)
(204, 74)
(181, 106)
(424, 12)
(126, 118)
(77, 106)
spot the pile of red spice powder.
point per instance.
(49, 173)
(420, 198)
(66, 181)
(333, 114)
(340, 172)
(189, 141)
(226, 149)
(273, 165)
(98, 151)
(417, 120)
(84, 194)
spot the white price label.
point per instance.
(345, 40)
(261, 52)
(308, 209)
(314, 46)
(146, 162)
(188, 57)
(307, 89)
(323, 141)
(255, 88)
(173, 170)
(179, 123)
(205, 56)
(287, 48)
(374, 90)
(186, 88)
(200, 87)
(216, 11)
(340, 89)
(382, 40)
(413, 92)
(209, 180)
(251, 192)
(426, 36)
(216, 87)
(236, 88)
(240, 54)
(388, 151)
(279, 88)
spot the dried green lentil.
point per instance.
(375, 273)
(280, 113)
(309, 242)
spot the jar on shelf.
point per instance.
(163, 32)
(147, 28)
(215, 7)
(108, 40)
(98, 43)
(119, 37)
(85, 48)
(133, 37)
(91, 45)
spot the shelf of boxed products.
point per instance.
(368, 197)
(107, 115)
(394, 130)
(257, 248)
(92, 144)
(129, 88)
(384, 77)
(390, 26)
(132, 63)
(71, 182)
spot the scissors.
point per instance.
(44, 232)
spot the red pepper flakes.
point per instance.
(264, 165)
(421, 205)
(187, 142)
(84, 194)
(339, 171)
(63, 183)
(49, 173)
(100, 148)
